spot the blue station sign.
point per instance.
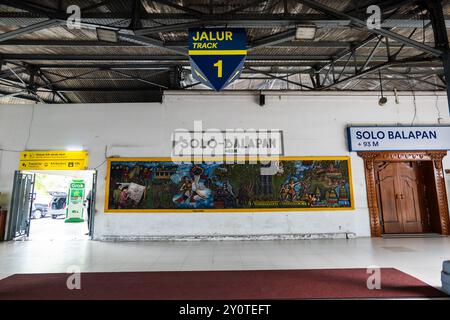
(217, 55)
(398, 138)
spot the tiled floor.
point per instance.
(56, 229)
(419, 257)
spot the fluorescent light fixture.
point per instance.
(107, 35)
(74, 148)
(305, 32)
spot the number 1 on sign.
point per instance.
(218, 65)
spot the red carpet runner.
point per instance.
(218, 285)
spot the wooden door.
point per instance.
(430, 198)
(399, 197)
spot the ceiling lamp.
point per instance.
(305, 32)
(383, 100)
(107, 35)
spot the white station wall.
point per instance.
(312, 125)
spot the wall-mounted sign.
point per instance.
(256, 143)
(53, 160)
(217, 55)
(161, 185)
(399, 138)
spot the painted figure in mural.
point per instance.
(312, 199)
(199, 189)
(145, 179)
(343, 196)
(291, 193)
(186, 190)
(332, 199)
(126, 175)
(228, 195)
(283, 192)
(147, 176)
(242, 197)
(134, 172)
(246, 197)
(157, 192)
(116, 195)
(318, 193)
(193, 192)
(123, 201)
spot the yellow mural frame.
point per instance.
(168, 159)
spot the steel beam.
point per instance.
(177, 58)
(182, 8)
(244, 6)
(381, 66)
(7, 72)
(137, 10)
(183, 44)
(154, 84)
(28, 29)
(172, 27)
(351, 51)
(46, 62)
(146, 41)
(362, 24)
(274, 39)
(28, 6)
(57, 18)
(129, 36)
(419, 79)
(440, 36)
(282, 79)
(50, 86)
(97, 89)
(97, 5)
(371, 55)
(250, 20)
(19, 95)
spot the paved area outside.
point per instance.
(56, 229)
(421, 258)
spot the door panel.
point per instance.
(409, 197)
(429, 197)
(21, 206)
(401, 207)
(409, 201)
(411, 208)
(391, 217)
(91, 215)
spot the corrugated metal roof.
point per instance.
(72, 59)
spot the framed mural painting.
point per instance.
(161, 185)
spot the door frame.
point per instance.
(92, 205)
(436, 157)
(16, 207)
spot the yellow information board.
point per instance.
(53, 160)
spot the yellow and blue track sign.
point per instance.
(217, 55)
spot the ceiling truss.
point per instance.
(379, 57)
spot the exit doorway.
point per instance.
(406, 193)
(42, 205)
